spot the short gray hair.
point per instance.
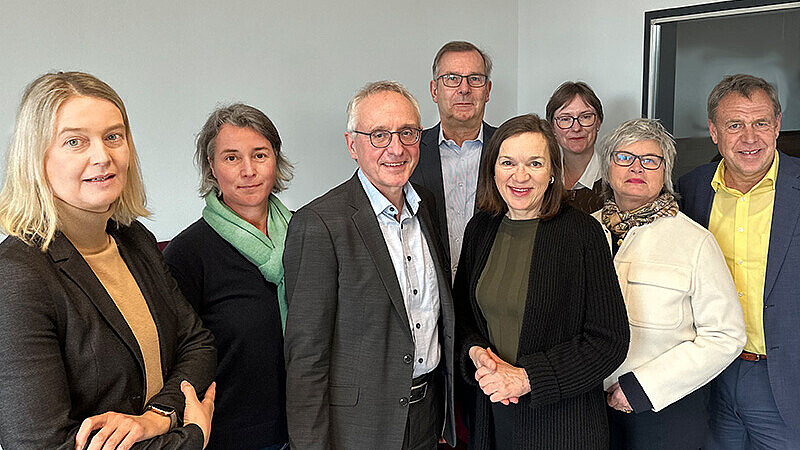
(374, 88)
(243, 116)
(634, 131)
(743, 85)
(458, 47)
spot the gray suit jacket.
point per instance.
(66, 352)
(349, 349)
(781, 299)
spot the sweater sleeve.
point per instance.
(580, 363)
(467, 330)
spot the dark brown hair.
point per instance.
(488, 197)
(569, 90)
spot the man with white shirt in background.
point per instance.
(451, 151)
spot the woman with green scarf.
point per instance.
(228, 265)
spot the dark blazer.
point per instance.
(66, 352)
(574, 332)
(349, 348)
(781, 299)
(429, 175)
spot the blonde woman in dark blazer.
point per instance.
(97, 345)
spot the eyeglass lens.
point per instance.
(454, 80)
(649, 162)
(382, 138)
(584, 120)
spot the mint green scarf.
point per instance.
(265, 252)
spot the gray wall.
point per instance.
(299, 62)
(598, 42)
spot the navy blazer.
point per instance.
(428, 174)
(781, 295)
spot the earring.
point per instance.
(552, 179)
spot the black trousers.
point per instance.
(426, 417)
(682, 425)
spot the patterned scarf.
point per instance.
(265, 252)
(620, 222)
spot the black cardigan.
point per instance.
(574, 332)
(241, 308)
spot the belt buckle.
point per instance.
(412, 398)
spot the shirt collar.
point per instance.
(590, 174)
(381, 205)
(768, 182)
(477, 139)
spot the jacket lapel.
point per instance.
(431, 170)
(785, 215)
(75, 268)
(367, 225)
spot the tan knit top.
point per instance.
(113, 273)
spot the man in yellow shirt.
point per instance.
(750, 201)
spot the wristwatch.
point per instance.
(166, 411)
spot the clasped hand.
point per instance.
(498, 379)
(121, 431)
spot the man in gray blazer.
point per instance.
(369, 334)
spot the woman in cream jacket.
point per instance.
(685, 319)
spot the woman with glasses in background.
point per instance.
(685, 319)
(576, 114)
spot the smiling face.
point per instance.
(389, 168)
(244, 166)
(86, 163)
(577, 139)
(746, 132)
(634, 185)
(522, 174)
(461, 106)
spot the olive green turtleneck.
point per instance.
(503, 285)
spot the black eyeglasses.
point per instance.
(626, 159)
(584, 120)
(452, 80)
(382, 138)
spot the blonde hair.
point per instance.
(27, 208)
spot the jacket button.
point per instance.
(407, 359)
(403, 401)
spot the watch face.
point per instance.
(161, 409)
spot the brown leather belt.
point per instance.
(747, 356)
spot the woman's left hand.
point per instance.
(506, 383)
(617, 400)
(120, 431)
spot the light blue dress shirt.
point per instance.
(414, 268)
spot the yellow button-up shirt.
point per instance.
(741, 223)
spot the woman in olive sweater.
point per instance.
(540, 315)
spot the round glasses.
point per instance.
(626, 159)
(584, 120)
(382, 138)
(453, 80)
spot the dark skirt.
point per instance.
(682, 425)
